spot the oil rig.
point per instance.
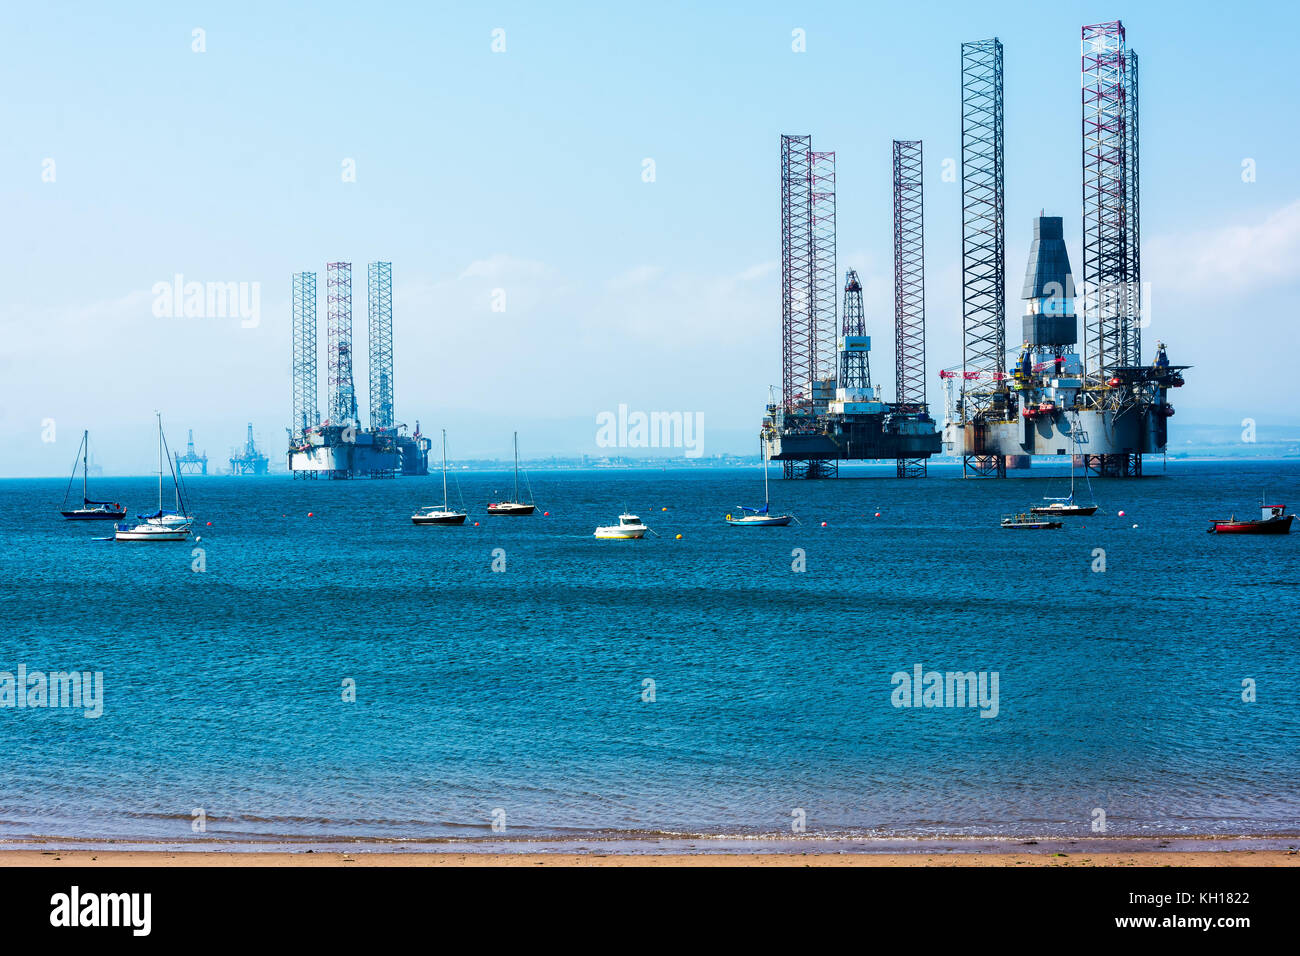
(250, 461)
(191, 463)
(338, 446)
(1104, 407)
(829, 409)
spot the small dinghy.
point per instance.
(1273, 519)
(1028, 522)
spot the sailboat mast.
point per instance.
(160, 453)
(516, 498)
(763, 453)
(444, 469)
(85, 453)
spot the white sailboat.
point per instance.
(755, 517)
(162, 526)
(431, 514)
(514, 506)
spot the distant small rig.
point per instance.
(1104, 407)
(338, 447)
(250, 461)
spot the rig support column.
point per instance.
(983, 253)
(379, 299)
(909, 291)
(306, 411)
(1111, 285)
(342, 392)
(808, 288)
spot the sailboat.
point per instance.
(444, 515)
(514, 506)
(162, 526)
(90, 510)
(1065, 507)
(750, 517)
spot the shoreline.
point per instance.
(284, 858)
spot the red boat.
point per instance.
(1272, 520)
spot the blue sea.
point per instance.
(671, 689)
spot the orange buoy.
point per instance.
(310, 513)
(823, 524)
(546, 514)
(877, 514)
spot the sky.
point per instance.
(136, 150)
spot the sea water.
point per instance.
(316, 669)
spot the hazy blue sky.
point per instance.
(522, 171)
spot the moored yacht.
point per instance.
(162, 525)
(514, 507)
(629, 527)
(431, 514)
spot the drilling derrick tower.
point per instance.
(855, 345)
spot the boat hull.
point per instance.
(1268, 526)
(78, 514)
(163, 534)
(510, 509)
(778, 521)
(1031, 525)
(446, 518)
(619, 534)
(1070, 511)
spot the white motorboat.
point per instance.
(628, 527)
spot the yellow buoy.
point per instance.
(679, 537)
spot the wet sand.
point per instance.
(148, 858)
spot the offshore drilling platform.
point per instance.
(829, 410)
(1104, 406)
(338, 447)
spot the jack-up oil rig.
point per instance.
(829, 410)
(339, 447)
(1106, 407)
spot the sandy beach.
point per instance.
(116, 858)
